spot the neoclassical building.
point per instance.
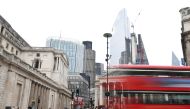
(185, 33)
(31, 75)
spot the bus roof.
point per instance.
(153, 67)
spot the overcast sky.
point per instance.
(159, 23)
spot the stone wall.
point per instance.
(21, 84)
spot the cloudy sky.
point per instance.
(159, 23)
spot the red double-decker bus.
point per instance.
(78, 103)
(148, 87)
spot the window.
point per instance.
(58, 64)
(154, 98)
(188, 12)
(38, 54)
(16, 52)
(12, 49)
(2, 28)
(55, 61)
(37, 63)
(183, 13)
(7, 46)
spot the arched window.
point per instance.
(37, 63)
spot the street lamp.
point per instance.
(107, 35)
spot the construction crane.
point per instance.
(140, 48)
(133, 23)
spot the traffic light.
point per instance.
(77, 92)
(72, 95)
(91, 102)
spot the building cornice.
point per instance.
(185, 33)
(186, 20)
(47, 49)
(12, 35)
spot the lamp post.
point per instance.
(107, 35)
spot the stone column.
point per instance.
(47, 98)
(32, 93)
(1, 45)
(36, 93)
(3, 84)
(62, 101)
(67, 101)
(26, 94)
(97, 94)
(59, 99)
(56, 100)
(102, 93)
(42, 98)
(39, 95)
(10, 88)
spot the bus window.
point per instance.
(158, 98)
(140, 98)
(185, 99)
(147, 99)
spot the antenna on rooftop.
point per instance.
(133, 23)
(60, 35)
(60, 41)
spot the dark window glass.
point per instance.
(188, 12)
(38, 54)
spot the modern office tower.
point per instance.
(87, 44)
(126, 55)
(128, 50)
(89, 62)
(185, 35)
(120, 33)
(123, 58)
(124, 46)
(175, 60)
(74, 51)
(141, 53)
(136, 53)
(99, 68)
(183, 62)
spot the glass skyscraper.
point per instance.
(125, 48)
(175, 60)
(74, 51)
(120, 35)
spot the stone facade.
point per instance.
(22, 83)
(53, 63)
(185, 35)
